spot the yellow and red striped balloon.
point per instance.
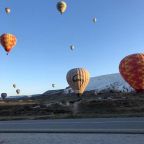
(8, 41)
(78, 79)
(132, 70)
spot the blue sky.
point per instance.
(42, 55)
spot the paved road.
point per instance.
(99, 125)
(47, 138)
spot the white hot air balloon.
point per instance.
(72, 47)
(94, 19)
(7, 10)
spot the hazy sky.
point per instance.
(42, 55)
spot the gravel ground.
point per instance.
(71, 138)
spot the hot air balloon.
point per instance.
(18, 91)
(61, 6)
(14, 85)
(78, 79)
(8, 41)
(3, 95)
(7, 10)
(53, 85)
(132, 70)
(72, 47)
(94, 20)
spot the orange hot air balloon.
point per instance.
(8, 41)
(78, 79)
(132, 70)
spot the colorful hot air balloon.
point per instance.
(8, 41)
(7, 10)
(3, 95)
(78, 79)
(18, 91)
(132, 70)
(14, 85)
(61, 6)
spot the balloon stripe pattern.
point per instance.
(78, 79)
(132, 70)
(8, 41)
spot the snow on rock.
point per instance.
(110, 81)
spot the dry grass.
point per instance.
(16, 103)
(70, 106)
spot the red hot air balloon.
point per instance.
(8, 41)
(132, 70)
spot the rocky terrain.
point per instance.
(61, 105)
(105, 96)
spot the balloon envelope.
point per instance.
(72, 47)
(3, 95)
(53, 85)
(94, 20)
(18, 91)
(78, 79)
(7, 10)
(8, 41)
(14, 85)
(61, 6)
(132, 70)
